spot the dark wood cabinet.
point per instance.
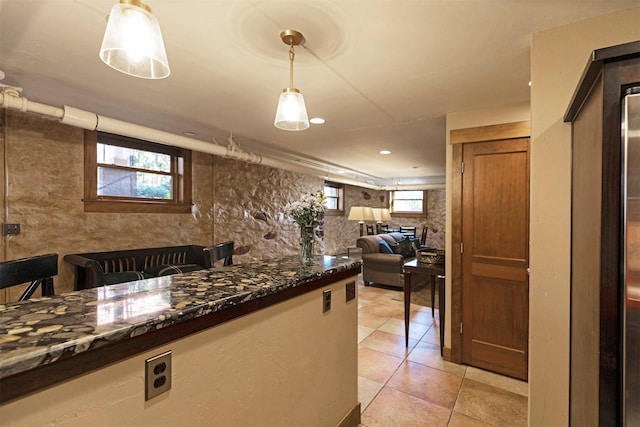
(596, 383)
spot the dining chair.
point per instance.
(408, 231)
(217, 252)
(382, 228)
(36, 271)
(423, 237)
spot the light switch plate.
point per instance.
(326, 300)
(350, 290)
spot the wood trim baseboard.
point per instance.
(446, 354)
(491, 132)
(352, 419)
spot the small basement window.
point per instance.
(408, 202)
(334, 194)
(130, 175)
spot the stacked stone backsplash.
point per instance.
(233, 200)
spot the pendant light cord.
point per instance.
(291, 56)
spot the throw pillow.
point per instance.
(404, 248)
(385, 248)
(397, 249)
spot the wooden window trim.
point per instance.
(341, 192)
(180, 171)
(422, 214)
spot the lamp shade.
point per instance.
(381, 214)
(291, 113)
(133, 43)
(361, 213)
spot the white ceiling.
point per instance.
(383, 73)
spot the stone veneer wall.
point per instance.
(44, 170)
(249, 203)
(233, 200)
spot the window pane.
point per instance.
(122, 156)
(410, 201)
(331, 191)
(331, 203)
(408, 205)
(124, 183)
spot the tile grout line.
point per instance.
(394, 372)
(405, 358)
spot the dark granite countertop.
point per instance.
(41, 331)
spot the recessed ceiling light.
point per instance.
(317, 120)
(385, 152)
(341, 172)
(188, 133)
(529, 84)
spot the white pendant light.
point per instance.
(133, 43)
(291, 113)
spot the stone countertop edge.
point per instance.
(42, 331)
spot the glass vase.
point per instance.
(307, 239)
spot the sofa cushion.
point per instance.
(389, 238)
(385, 248)
(124, 276)
(165, 270)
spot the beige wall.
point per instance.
(558, 59)
(286, 365)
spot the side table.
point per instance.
(436, 271)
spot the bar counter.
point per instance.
(49, 340)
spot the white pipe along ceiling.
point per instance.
(10, 98)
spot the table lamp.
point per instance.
(361, 214)
(381, 215)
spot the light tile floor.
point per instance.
(414, 386)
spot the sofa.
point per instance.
(383, 256)
(111, 267)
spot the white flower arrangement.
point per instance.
(307, 211)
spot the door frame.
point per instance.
(457, 138)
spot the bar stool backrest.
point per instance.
(37, 270)
(220, 251)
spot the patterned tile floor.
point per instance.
(414, 386)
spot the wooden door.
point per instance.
(495, 256)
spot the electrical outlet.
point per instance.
(326, 300)
(10, 229)
(157, 375)
(350, 290)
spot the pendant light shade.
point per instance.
(291, 113)
(133, 42)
